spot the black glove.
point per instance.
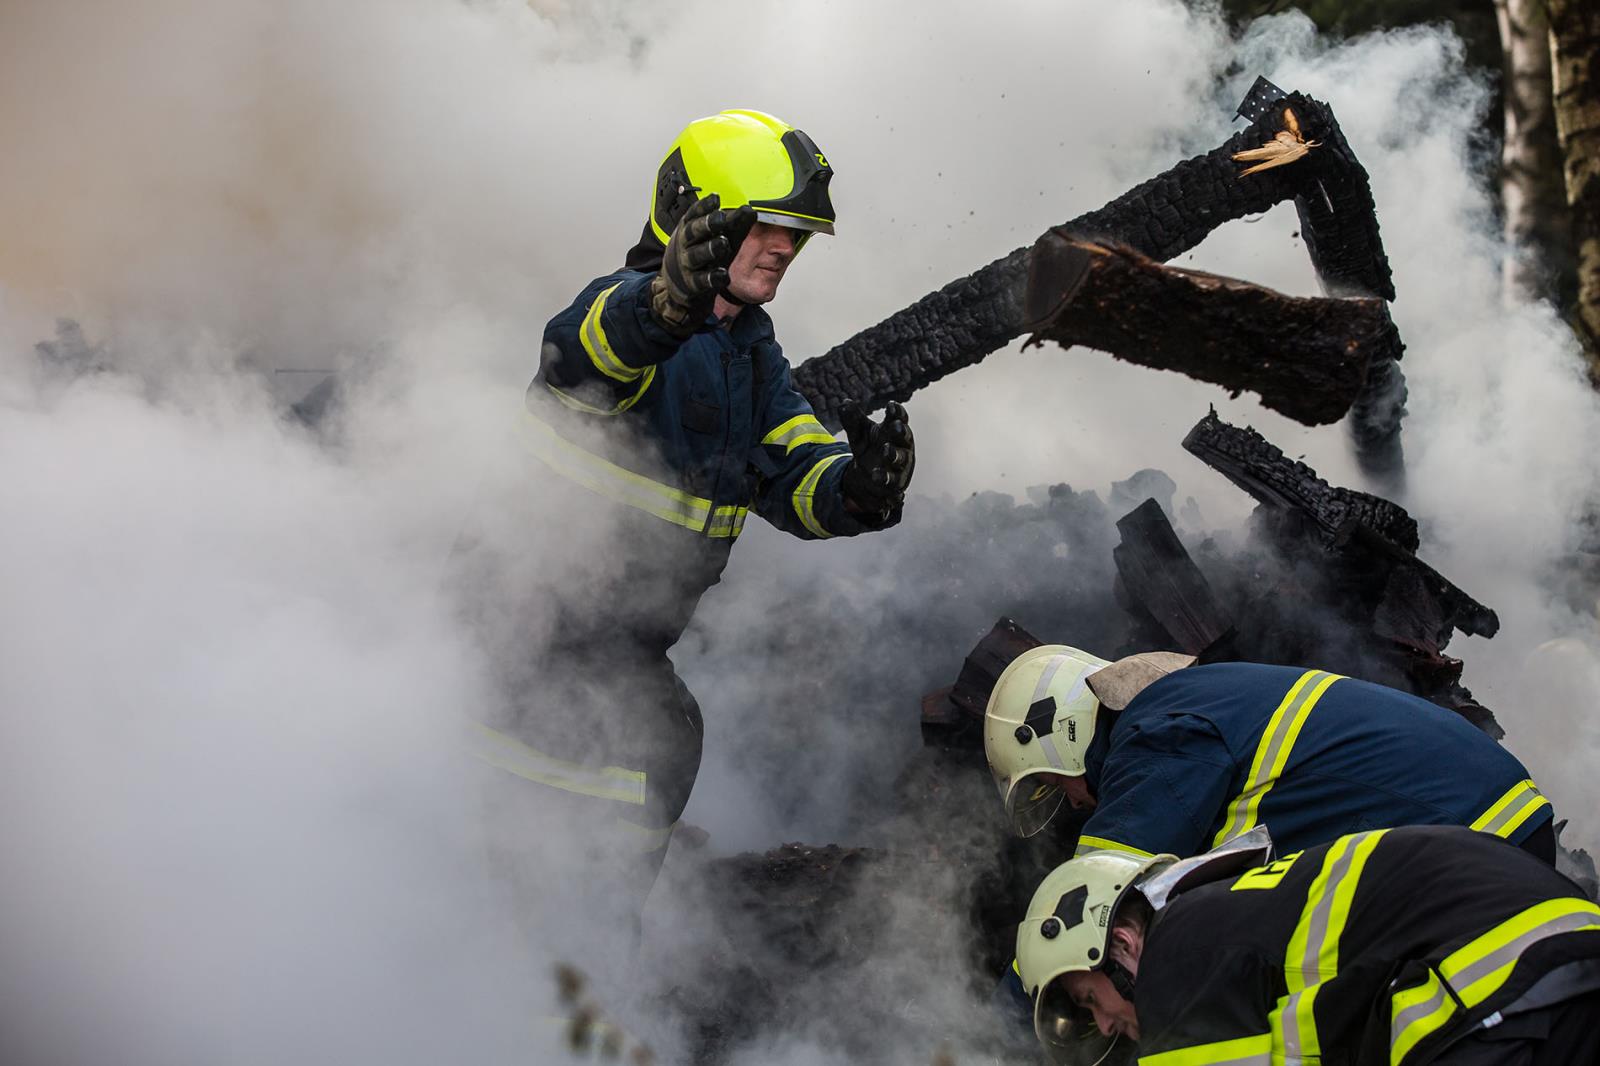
(695, 267)
(884, 457)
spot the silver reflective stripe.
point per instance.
(593, 336)
(1273, 750)
(1566, 923)
(1317, 925)
(1283, 727)
(1047, 744)
(801, 429)
(1049, 675)
(1461, 981)
(1417, 1011)
(1511, 810)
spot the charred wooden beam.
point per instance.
(964, 321)
(1258, 467)
(953, 717)
(1305, 357)
(1362, 528)
(1160, 578)
(988, 661)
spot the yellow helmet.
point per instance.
(1040, 719)
(1068, 930)
(746, 157)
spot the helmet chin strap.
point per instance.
(1121, 978)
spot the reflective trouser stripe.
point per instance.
(1476, 971)
(797, 431)
(1086, 845)
(593, 337)
(1511, 810)
(1241, 1051)
(625, 487)
(515, 757)
(1272, 753)
(1313, 953)
(805, 495)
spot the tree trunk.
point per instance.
(1575, 65)
(1537, 226)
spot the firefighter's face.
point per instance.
(766, 253)
(1113, 1015)
(1079, 797)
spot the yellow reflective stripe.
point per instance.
(1241, 1051)
(797, 431)
(622, 405)
(1272, 753)
(1265, 878)
(633, 490)
(1086, 845)
(1511, 810)
(805, 495)
(727, 521)
(1016, 967)
(1313, 953)
(593, 336)
(515, 757)
(1477, 970)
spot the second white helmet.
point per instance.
(1037, 726)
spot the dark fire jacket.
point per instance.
(1204, 754)
(1381, 947)
(685, 438)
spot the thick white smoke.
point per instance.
(227, 681)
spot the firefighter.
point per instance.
(663, 404)
(1171, 757)
(1422, 944)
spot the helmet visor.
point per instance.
(810, 225)
(1033, 800)
(1069, 1033)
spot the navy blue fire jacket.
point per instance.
(1206, 753)
(688, 437)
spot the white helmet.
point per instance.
(1068, 929)
(1040, 719)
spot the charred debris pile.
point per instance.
(1321, 574)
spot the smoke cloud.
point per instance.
(228, 679)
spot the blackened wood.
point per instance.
(1258, 467)
(1159, 576)
(964, 321)
(1459, 610)
(987, 662)
(1305, 357)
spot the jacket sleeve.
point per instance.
(798, 463)
(1160, 789)
(599, 355)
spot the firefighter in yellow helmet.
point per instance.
(663, 401)
(1409, 946)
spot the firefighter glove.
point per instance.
(695, 267)
(884, 456)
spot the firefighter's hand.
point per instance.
(885, 454)
(695, 267)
